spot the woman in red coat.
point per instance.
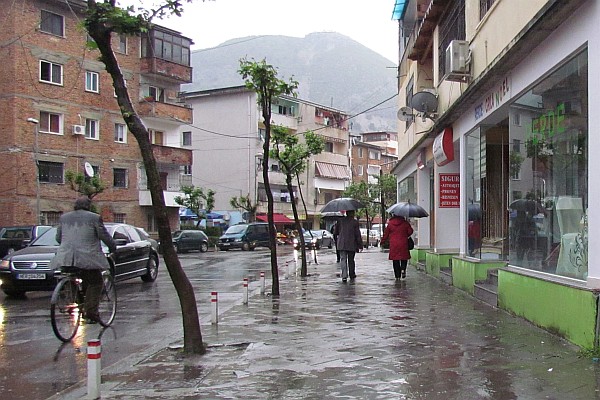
(396, 234)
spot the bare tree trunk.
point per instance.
(187, 299)
(303, 268)
(272, 231)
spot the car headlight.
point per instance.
(237, 240)
(5, 264)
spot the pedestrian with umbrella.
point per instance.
(397, 234)
(349, 239)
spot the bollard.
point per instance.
(245, 298)
(214, 307)
(94, 352)
(262, 282)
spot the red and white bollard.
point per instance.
(94, 352)
(262, 282)
(214, 307)
(245, 296)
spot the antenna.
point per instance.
(426, 103)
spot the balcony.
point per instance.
(420, 43)
(156, 109)
(172, 155)
(177, 73)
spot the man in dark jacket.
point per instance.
(349, 241)
(79, 234)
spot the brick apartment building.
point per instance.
(60, 112)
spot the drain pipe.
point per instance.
(597, 330)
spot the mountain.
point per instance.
(332, 70)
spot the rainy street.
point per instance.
(34, 364)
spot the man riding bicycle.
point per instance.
(79, 234)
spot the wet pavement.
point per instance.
(374, 338)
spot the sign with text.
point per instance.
(449, 190)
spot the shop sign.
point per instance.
(449, 190)
(493, 100)
(443, 148)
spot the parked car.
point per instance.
(374, 238)
(14, 238)
(316, 239)
(29, 270)
(245, 236)
(187, 240)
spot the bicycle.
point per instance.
(66, 304)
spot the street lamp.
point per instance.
(36, 123)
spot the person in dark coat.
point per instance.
(79, 233)
(335, 236)
(349, 242)
(397, 233)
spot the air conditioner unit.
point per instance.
(78, 130)
(457, 55)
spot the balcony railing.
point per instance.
(166, 69)
(172, 155)
(156, 109)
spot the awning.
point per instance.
(335, 171)
(278, 218)
(399, 9)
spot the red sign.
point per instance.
(449, 190)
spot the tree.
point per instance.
(386, 191)
(102, 21)
(86, 186)
(292, 156)
(197, 200)
(245, 203)
(262, 79)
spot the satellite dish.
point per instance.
(89, 170)
(405, 114)
(424, 102)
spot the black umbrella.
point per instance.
(332, 215)
(407, 210)
(474, 211)
(530, 206)
(342, 204)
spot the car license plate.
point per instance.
(31, 276)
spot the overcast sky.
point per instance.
(211, 23)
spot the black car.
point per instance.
(13, 238)
(187, 240)
(29, 269)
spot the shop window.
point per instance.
(548, 222)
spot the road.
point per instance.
(33, 362)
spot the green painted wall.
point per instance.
(435, 261)
(466, 272)
(417, 255)
(563, 310)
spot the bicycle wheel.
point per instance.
(108, 300)
(64, 310)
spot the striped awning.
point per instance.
(334, 171)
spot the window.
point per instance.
(261, 134)
(91, 81)
(120, 218)
(91, 129)
(452, 27)
(156, 137)
(374, 155)
(359, 170)
(51, 72)
(360, 152)
(187, 170)
(119, 177)
(120, 133)
(409, 96)
(517, 119)
(122, 44)
(52, 23)
(166, 46)
(50, 172)
(50, 217)
(186, 139)
(51, 122)
(156, 94)
(484, 6)
(328, 147)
